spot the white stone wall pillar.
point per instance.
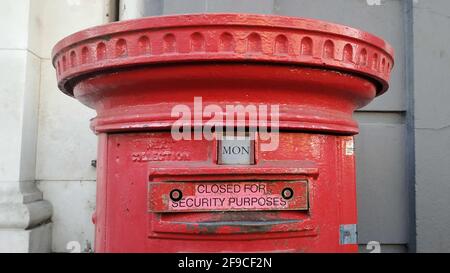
(28, 31)
(24, 216)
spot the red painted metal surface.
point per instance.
(134, 72)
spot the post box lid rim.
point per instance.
(336, 33)
(224, 19)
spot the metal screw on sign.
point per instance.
(176, 195)
(287, 193)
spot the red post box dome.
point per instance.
(134, 72)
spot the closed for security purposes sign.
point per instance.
(227, 196)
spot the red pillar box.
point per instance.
(173, 173)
